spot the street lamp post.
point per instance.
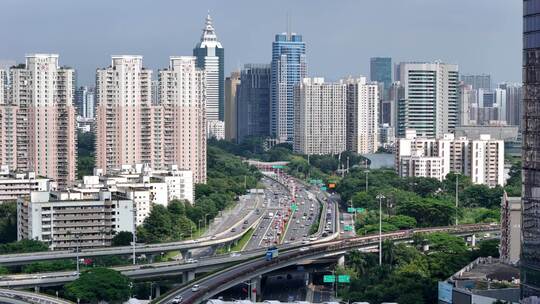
(380, 197)
(134, 237)
(457, 197)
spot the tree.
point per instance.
(99, 284)
(402, 221)
(489, 248)
(429, 211)
(122, 238)
(8, 222)
(23, 246)
(482, 196)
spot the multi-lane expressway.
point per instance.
(235, 229)
(230, 276)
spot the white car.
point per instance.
(235, 254)
(195, 288)
(304, 248)
(177, 300)
(191, 261)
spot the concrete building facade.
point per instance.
(430, 98)
(37, 119)
(362, 115)
(481, 159)
(231, 84)
(67, 220)
(320, 117)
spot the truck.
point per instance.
(271, 252)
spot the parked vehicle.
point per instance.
(271, 253)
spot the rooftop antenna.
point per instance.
(288, 25)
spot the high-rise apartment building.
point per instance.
(182, 91)
(482, 81)
(37, 119)
(320, 117)
(288, 69)
(123, 122)
(85, 102)
(481, 159)
(380, 70)
(211, 58)
(491, 106)
(253, 102)
(530, 197)
(430, 98)
(467, 100)
(130, 130)
(231, 84)
(362, 115)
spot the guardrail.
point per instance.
(29, 297)
(321, 248)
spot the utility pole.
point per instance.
(134, 255)
(380, 197)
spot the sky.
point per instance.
(482, 36)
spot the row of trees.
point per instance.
(228, 177)
(417, 201)
(408, 268)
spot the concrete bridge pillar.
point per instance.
(255, 286)
(341, 261)
(188, 276)
(150, 258)
(185, 254)
(473, 240)
(36, 288)
(158, 291)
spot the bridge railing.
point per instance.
(29, 297)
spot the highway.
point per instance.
(230, 276)
(17, 297)
(231, 229)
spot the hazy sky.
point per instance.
(482, 36)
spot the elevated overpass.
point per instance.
(21, 297)
(233, 275)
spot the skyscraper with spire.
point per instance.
(288, 69)
(211, 58)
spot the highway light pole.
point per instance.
(77, 248)
(457, 197)
(134, 237)
(380, 197)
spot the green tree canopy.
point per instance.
(122, 238)
(99, 284)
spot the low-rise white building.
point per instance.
(71, 219)
(481, 159)
(16, 184)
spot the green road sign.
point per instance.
(348, 228)
(323, 188)
(315, 181)
(360, 210)
(329, 279)
(294, 207)
(278, 166)
(344, 279)
(350, 210)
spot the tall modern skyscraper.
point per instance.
(380, 70)
(253, 102)
(530, 197)
(231, 84)
(211, 58)
(85, 102)
(288, 69)
(130, 130)
(362, 115)
(37, 119)
(467, 99)
(430, 98)
(482, 81)
(320, 117)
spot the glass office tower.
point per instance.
(380, 70)
(288, 69)
(530, 226)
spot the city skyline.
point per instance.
(248, 39)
